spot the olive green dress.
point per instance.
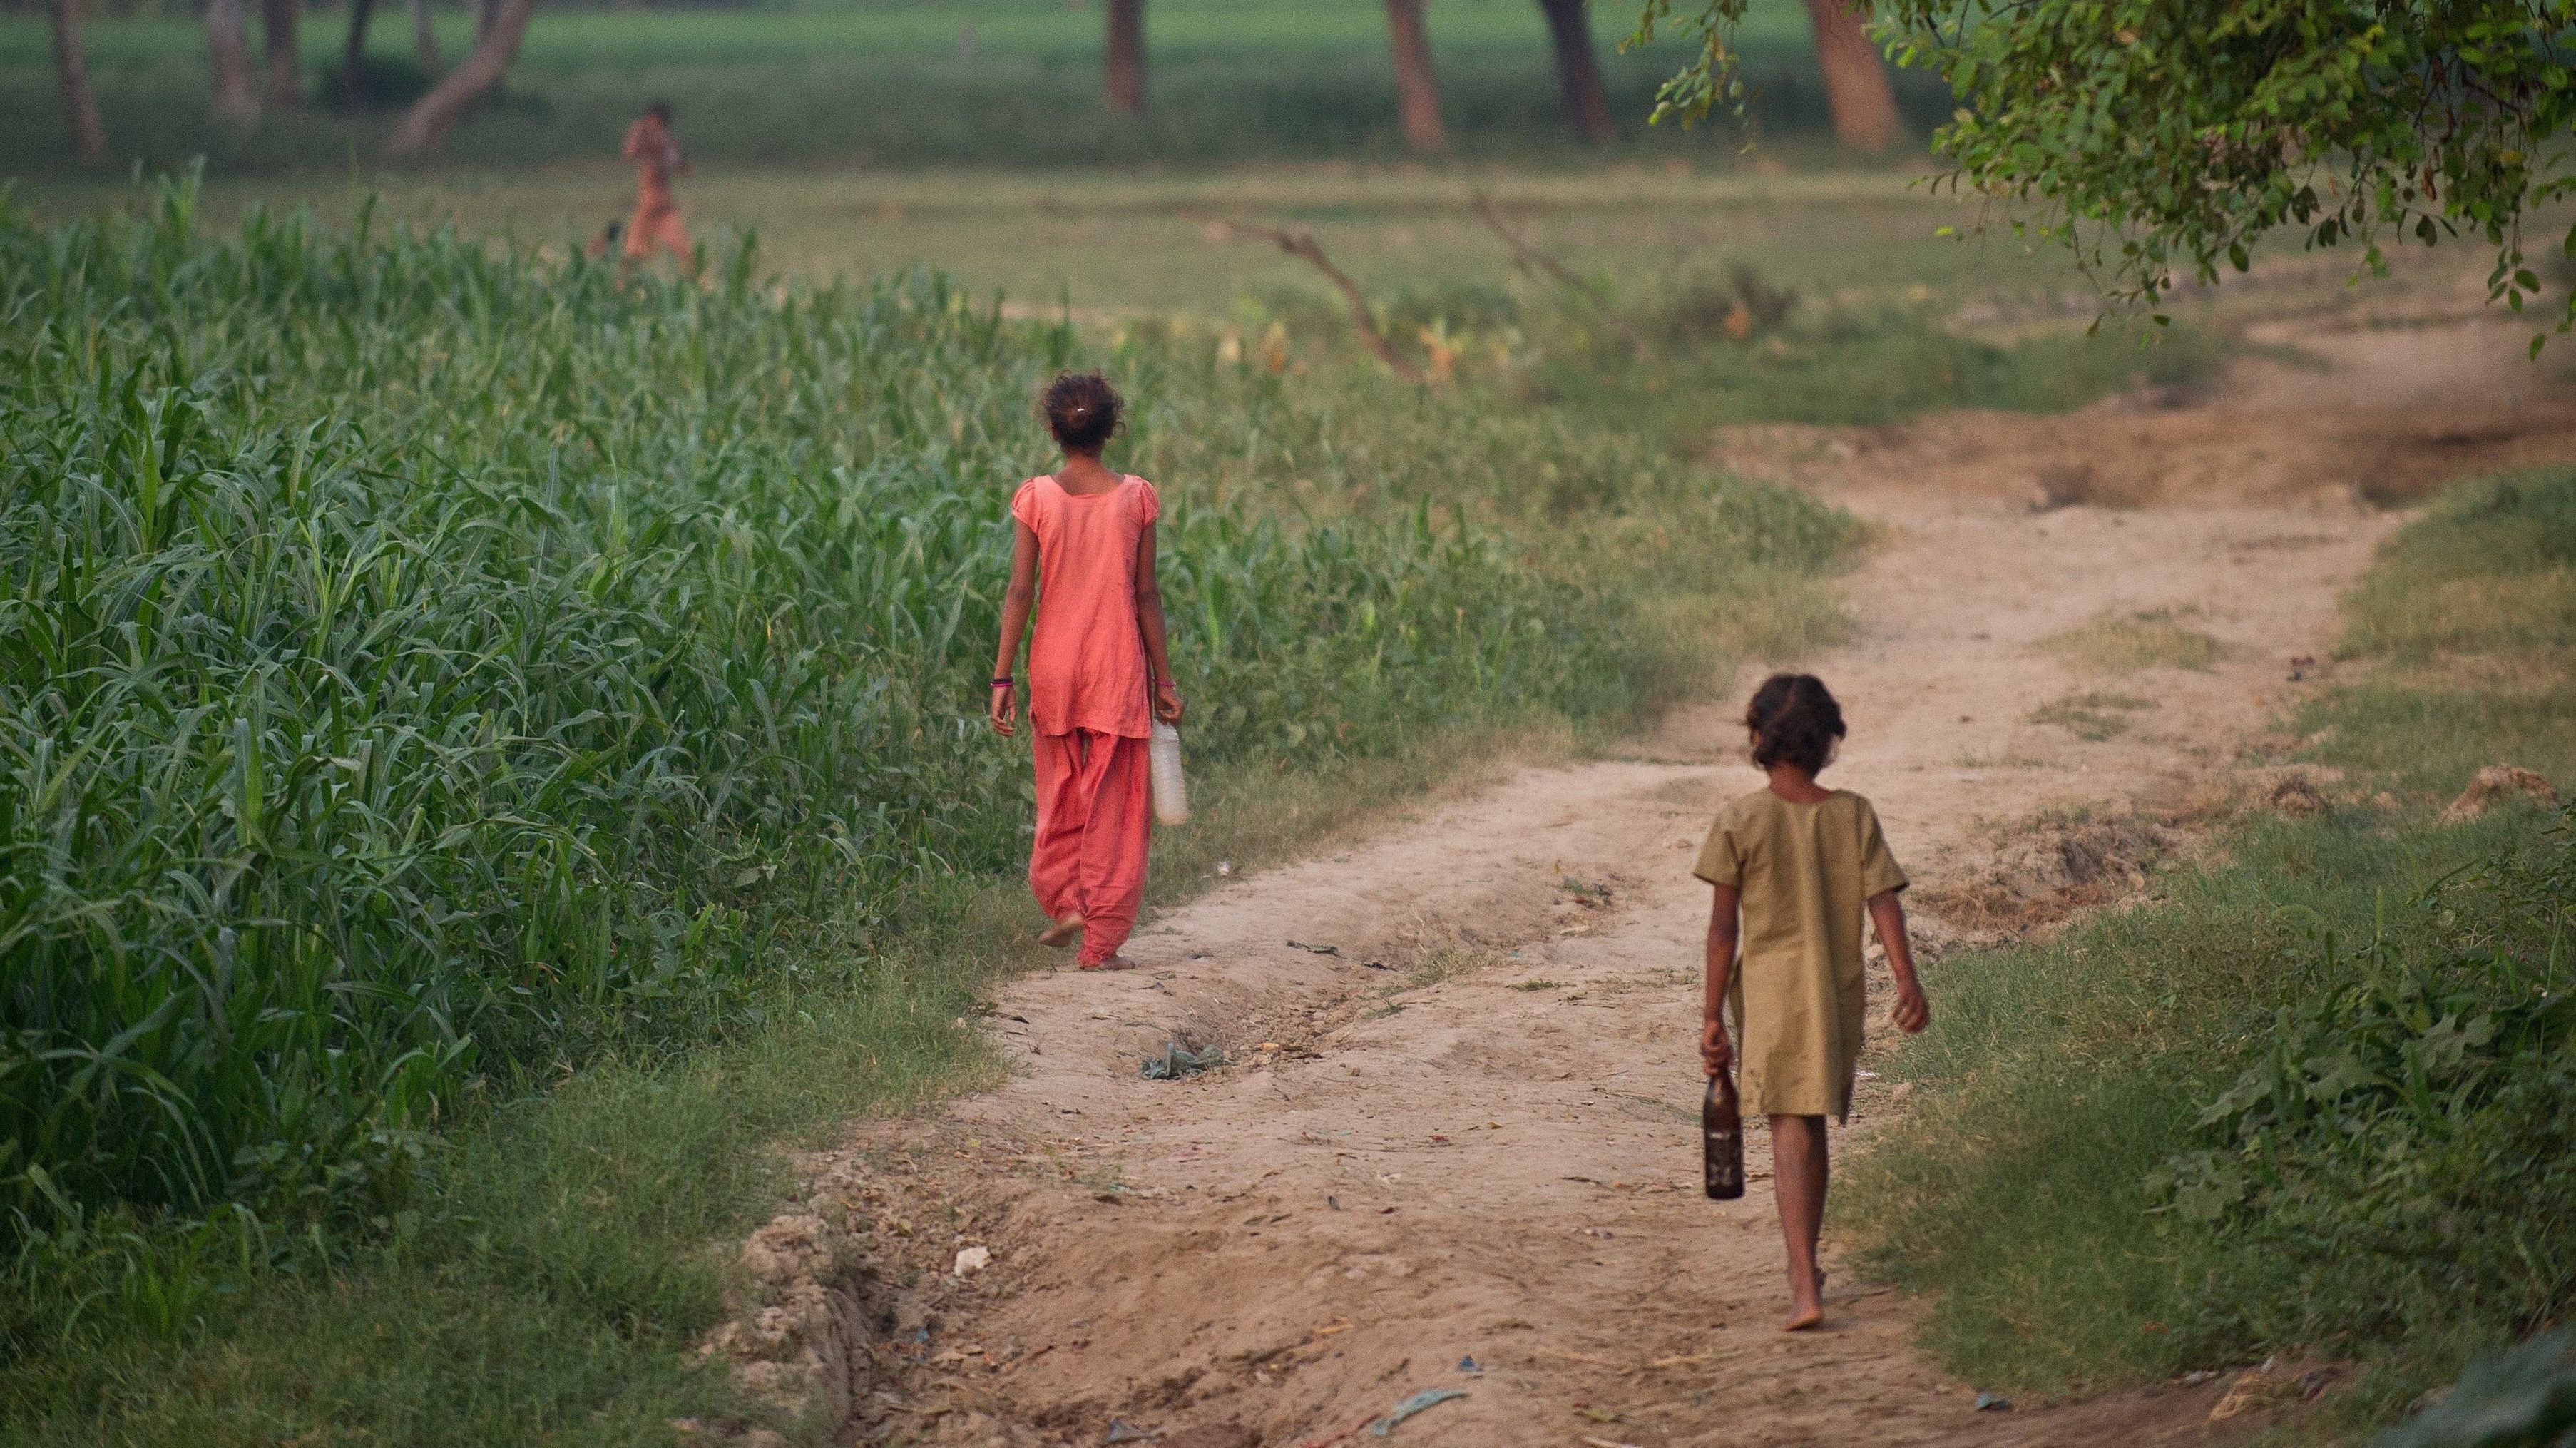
(1807, 872)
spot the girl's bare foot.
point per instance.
(1115, 962)
(1060, 934)
(1806, 1312)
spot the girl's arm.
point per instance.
(1004, 706)
(1149, 616)
(1887, 912)
(1715, 1052)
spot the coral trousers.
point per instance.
(656, 224)
(1095, 824)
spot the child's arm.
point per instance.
(1004, 706)
(1715, 1052)
(1149, 616)
(1887, 912)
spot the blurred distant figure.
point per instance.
(655, 154)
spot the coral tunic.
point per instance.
(1087, 655)
(1088, 703)
(656, 222)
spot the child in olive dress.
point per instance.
(1795, 865)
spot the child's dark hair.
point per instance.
(660, 111)
(1082, 410)
(1794, 720)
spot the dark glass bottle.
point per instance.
(1721, 1131)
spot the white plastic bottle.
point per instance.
(1171, 795)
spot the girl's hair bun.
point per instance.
(1794, 720)
(1082, 410)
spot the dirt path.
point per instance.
(1458, 1120)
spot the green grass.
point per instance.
(1869, 339)
(2153, 639)
(547, 1288)
(1116, 242)
(492, 750)
(1007, 82)
(2093, 716)
(1860, 363)
(2059, 1078)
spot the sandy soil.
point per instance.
(1455, 1143)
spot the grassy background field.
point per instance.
(1016, 82)
(1870, 285)
(2288, 1105)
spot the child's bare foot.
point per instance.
(1806, 1311)
(1060, 934)
(1115, 962)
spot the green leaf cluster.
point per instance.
(2407, 1135)
(2163, 140)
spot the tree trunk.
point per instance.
(228, 51)
(72, 64)
(353, 60)
(1125, 72)
(1414, 87)
(1856, 87)
(423, 36)
(1578, 70)
(278, 20)
(435, 114)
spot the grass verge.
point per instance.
(2094, 715)
(2311, 1095)
(2154, 639)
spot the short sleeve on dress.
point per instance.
(1149, 504)
(1879, 872)
(1721, 859)
(1024, 504)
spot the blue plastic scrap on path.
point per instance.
(1427, 1398)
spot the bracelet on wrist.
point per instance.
(1004, 682)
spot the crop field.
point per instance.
(1017, 83)
(429, 668)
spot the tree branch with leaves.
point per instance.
(2162, 140)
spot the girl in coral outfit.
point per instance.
(655, 154)
(1099, 673)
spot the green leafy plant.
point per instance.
(2525, 1398)
(2162, 140)
(2405, 1137)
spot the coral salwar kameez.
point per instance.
(1089, 706)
